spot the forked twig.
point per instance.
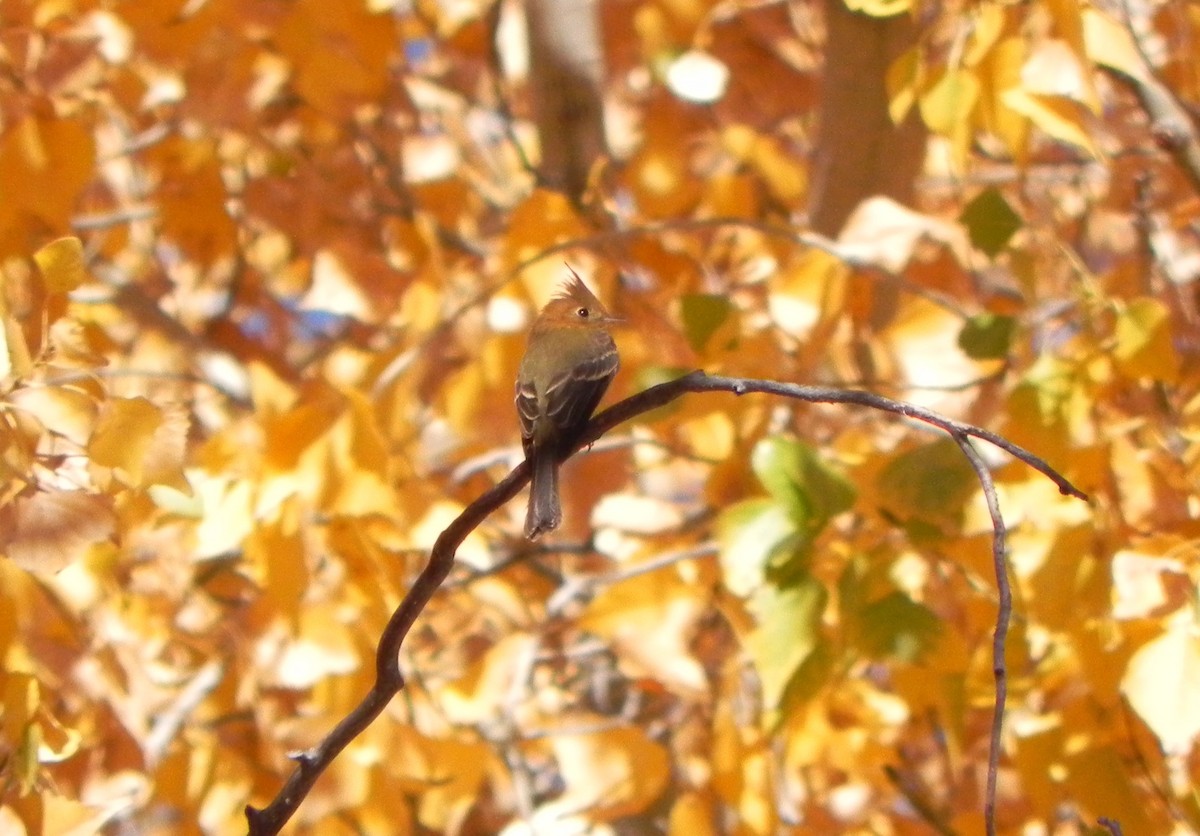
(389, 680)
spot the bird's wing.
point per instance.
(571, 397)
(527, 408)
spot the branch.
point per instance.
(1169, 120)
(388, 678)
(1000, 637)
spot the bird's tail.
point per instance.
(544, 513)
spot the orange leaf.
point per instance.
(47, 531)
(44, 164)
(63, 410)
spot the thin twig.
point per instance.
(1003, 615)
(388, 678)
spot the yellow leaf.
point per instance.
(486, 687)
(1054, 69)
(10, 822)
(636, 513)
(543, 219)
(651, 620)
(272, 395)
(731, 196)
(62, 264)
(659, 177)
(20, 697)
(1110, 44)
(72, 817)
(335, 291)
(947, 105)
(1068, 23)
(1144, 346)
(62, 410)
(902, 79)
(808, 296)
(610, 774)
(879, 8)
(16, 360)
(281, 569)
(888, 235)
(924, 340)
(455, 775)
(226, 504)
(163, 461)
(693, 814)
(325, 646)
(784, 174)
(988, 22)
(1059, 118)
(744, 765)
(1147, 582)
(123, 436)
(1001, 71)
(47, 531)
(1100, 781)
(1161, 683)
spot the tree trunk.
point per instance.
(860, 152)
(566, 72)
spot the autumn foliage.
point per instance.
(267, 268)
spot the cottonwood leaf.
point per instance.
(48, 530)
(1161, 683)
(788, 632)
(61, 263)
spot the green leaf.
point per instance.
(897, 627)
(793, 473)
(925, 488)
(703, 314)
(753, 534)
(788, 632)
(987, 336)
(806, 682)
(990, 221)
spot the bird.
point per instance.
(570, 359)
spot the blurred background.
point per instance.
(267, 268)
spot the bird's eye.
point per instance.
(583, 313)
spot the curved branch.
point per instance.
(388, 678)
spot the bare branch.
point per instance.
(388, 677)
(1000, 637)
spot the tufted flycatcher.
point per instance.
(569, 361)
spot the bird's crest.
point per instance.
(575, 290)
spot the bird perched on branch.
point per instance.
(569, 361)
